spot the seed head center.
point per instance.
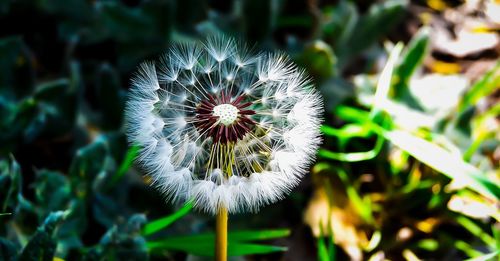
(226, 112)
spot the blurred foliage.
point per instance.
(409, 168)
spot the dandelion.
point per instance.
(219, 125)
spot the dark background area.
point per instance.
(65, 68)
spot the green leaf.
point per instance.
(125, 24)
(353, 130)
(428, 244)
(352, 114)
(411, 59)
(15, 120)
(203, 244)
(55, 104)
(467, 249)
(348, 131)
(42, 246)
(381, 17)
(159, 224)
(362, 207)
(353, 156)
(323, 254)
(320, 60)
(483, 87)
(496, 235)
(132, 153)
(246, 235)
(105, 211)
(481, 134)
(88, 163)
(414, 54)
(381, 95)
(52, 190)
(428, 153)
(326, 251)
(206, 248)
(476, 230)
(123, 242)
(345, 17)
(258, 235)
(359, 116)
(75, 223)
(241, 249)
(443, 161)
(10, 184)
(49, 90)
(476, 144)
(384, 81)
(486, 257)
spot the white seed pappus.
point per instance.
(222, 126)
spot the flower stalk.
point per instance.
(221, 235)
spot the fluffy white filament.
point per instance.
(268, 162)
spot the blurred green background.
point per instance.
(409, 168)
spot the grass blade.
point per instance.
(203, 244)
(476, 230)
(467, 249)
(486, 257)
(125, 165)
(384, 81)
(362, 207)
(411, 59)
(323, 254)
(353, 156)
(258, 235)
(159, 224)
(444, 162)
(347, 131)
(428, 153)
(483, 87)
(206, 248)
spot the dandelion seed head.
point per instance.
(222, 126)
